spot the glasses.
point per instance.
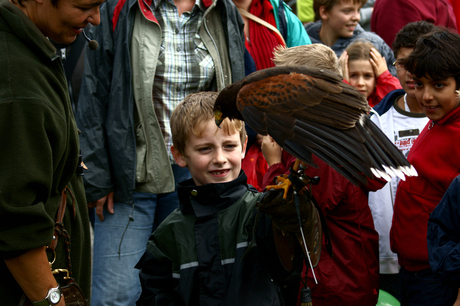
(398, 66)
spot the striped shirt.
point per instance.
(184, 64)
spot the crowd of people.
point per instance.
(125, 132)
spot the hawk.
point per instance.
(312, 111)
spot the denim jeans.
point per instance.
(119, 246)
(424, 288)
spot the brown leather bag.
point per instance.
(73, 295)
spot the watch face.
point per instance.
(55, 296)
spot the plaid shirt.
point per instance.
(184, 64)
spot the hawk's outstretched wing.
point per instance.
(313, 111)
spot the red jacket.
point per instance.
(435, 156)
(384, 84)
(351, 276)
(390, 16)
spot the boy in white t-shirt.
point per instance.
(401, 118)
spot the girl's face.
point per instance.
(361, 76)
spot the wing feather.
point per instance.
(312, 111)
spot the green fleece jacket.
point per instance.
(39, 152)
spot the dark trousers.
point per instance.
(424, 288)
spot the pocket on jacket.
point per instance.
(203, 57)
(141, 154)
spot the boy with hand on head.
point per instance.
(401, 118)
(337, 26)
(350, 275)
(215, 249)
(435, 67)
(365, 69)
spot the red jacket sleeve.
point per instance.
(385, 84)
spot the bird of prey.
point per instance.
(312, 111)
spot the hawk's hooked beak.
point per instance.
(218, 117)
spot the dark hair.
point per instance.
(53, 2)
(408, 35)
(328, 4)
(436, 55)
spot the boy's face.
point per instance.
(361, 76)
(437, 98)
(404, 76)
(214, 157)
(343, 18)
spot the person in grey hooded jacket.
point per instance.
(359, 34)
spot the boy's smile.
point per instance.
(214, 157)
(341, 20)
(437, 98)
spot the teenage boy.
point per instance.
(204, 253)
(401, 118)
(435, 67)
(337, 26)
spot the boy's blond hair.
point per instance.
(314, 56)
(328, 4)
(359, 50)
(190, 115)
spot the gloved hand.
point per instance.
(283, 211)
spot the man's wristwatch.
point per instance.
(52, 298)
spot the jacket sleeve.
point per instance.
(296, 34)
(444, 236)
(92, 107)
(385, 84)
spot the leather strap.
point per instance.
(262, 22)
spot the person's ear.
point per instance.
(323, 13)
(243, 152)
(178, 157)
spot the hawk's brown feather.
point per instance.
(313, 111)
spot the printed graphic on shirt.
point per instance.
(404, 139)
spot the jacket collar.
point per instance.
(207, 200)
(313, 32)
(388, 101)
(452, 116)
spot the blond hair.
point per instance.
(314, 56)
(359, 50)
(189, 117)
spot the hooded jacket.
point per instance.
(351, 275)
(202, 254)
(359, 34)
(444, 236)
(435, 157)
(121, 141)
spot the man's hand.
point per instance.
(378, 62)
(99, 204)
(343, 63)
(271, 151)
